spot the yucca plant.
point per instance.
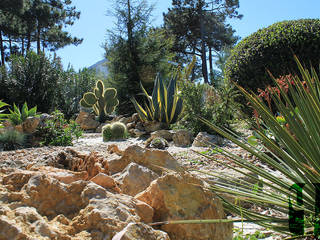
(164, 105)
(294, 152)
(292, 188)
(17, 117)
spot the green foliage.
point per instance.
(114, 131)
(3, 116)
(239, 235)
(164, 105)
(11, 140)
(293, 153)
(135, 51)
(218, 106)
(272, 49)
(57, 131)
(71, 89)
(34, 79)
(17, 117)
(102, 101)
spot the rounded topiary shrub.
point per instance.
(114, 131)
(272, 49)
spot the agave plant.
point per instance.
(164, 105)
(17, 117)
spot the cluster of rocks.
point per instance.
(157, 134)
(87, 196)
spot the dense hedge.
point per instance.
(272, 48)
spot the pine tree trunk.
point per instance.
(1, 49)
(203, 49)
(211, 67)
(38, 39)
(28, 41)
(22, 46)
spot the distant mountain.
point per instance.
(101, 68)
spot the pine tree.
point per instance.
(200, 27)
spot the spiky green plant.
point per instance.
(3, 116)
(102, 101)
(294, 152)
(294, 158)
(17, 117)
(164, 105)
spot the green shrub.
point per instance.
(33, 79)
(114, 131)
(216, 105)
(57, 131)
(11, 140)
(17, 117)
(272, 49)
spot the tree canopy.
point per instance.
(200, 27)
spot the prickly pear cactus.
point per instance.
(102, 101)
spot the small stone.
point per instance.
(182, 138)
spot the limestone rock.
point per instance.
(182, 138)
(30, 124)
(183, 196)
(45, 208)
(134, 231)
(87, 121)
(166, 134)
(106, 182)
(92, 163)
(135, 179)
(138, 133)
(113, 148)
(154, 159)
(204, 139)
(154, 126)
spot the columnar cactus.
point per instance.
(102, 101)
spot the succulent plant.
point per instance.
(102, 101)
(164, 105)
(116, 130)
(17, 117)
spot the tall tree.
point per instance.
(200, 27)
(135, 52)
(36, 21)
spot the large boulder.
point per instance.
(140, 231)
(135, 178)
(45, 208)
(183, 196)
(87, 121)
(154, 159)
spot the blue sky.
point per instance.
(94, 23)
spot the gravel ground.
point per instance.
(186, 156)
